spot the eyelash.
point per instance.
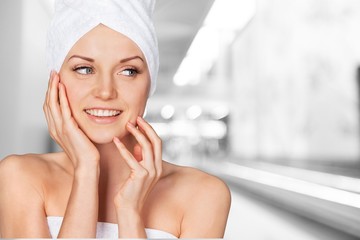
(132, 69)
(77, 69)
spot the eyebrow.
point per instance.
(82, 57)
(92, 60)
(131, 58)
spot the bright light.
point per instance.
(230, 15)
(193, 112)
(167, 111)
(225, 18)
(220, 112)
(162, 129)
(182, 128)
(200, 57)
(187, 72)
(213, 129)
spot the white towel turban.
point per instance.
(74, 18)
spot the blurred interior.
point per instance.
(262, 93)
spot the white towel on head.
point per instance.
(74, 18)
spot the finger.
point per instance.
(128, 157)
(46, 102)
(50, 121)
(64, 103)
(54, 111)
(155, 141)
(147, 151)
(46, 107)
(53, 103)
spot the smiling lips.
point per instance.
(103, 116)
(103, 112)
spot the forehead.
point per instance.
(104, 40)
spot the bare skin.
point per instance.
(111, 169)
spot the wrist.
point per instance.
(86, 172)
(126, 206)
(127, 211)
(128, 215)
(130, 223)
(86, 161)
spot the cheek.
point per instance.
(136, 101)
(137, 104)
(72, 97)
(142, 93)
(73, 90)
(135, 93)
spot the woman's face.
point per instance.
(107, 83)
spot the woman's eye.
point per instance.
(129, 72)
(84, 70)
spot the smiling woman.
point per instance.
(110, 179)
(104, 73)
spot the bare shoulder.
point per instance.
(28, 165)
(191, 180)
(34, 169)
(24, 180)
(204, 199)
(20, 166)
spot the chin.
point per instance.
(103, 137)
(101, 141)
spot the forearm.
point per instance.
(130, 224)
(81, 214)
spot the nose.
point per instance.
(105, 88)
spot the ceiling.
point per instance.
(176, 23)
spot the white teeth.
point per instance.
(102, 112)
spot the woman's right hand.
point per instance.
(64, 129)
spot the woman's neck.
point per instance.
(113, 173)
(112, 165)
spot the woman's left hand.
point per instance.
(145, 172)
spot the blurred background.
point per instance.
(262, 93)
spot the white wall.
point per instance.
(24, 77)
(295, 82)
(10, 69)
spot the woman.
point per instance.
(110, 180)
